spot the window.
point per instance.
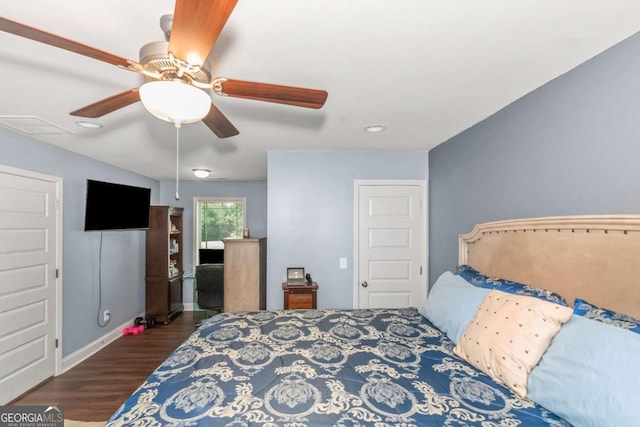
(217, 219)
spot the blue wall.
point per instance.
(254, 192)
(310, 214)
(570, 147)
(123, 263)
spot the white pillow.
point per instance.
(452, 303)
(508, 335)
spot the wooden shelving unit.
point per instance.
(164, 268)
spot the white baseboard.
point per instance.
(84, 353)
(188, 306)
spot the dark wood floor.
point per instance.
(95, 388)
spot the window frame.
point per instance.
(197, 229)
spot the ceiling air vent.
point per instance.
(31, 125)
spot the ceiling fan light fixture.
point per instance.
(175, 101)
(201, 173)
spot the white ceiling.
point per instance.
(427, 69)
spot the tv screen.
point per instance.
(211, 256)
(116, 206)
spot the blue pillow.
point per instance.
(451, 304)
(590, 311)
(589, 375)
(482, 281)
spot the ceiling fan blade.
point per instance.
(108, 105)
(196, 26)
(51, 39)
(300, 97)
(219, 124)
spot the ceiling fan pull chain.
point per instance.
(177, 160)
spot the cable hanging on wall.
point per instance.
(108, 317)
(177, 125)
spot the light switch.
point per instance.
(343, 263)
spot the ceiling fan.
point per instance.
(180, 65)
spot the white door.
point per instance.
(391, 245)
(28, 246)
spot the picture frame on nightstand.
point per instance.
(295, 276)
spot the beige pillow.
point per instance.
(508, 336)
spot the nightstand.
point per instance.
(300, 296)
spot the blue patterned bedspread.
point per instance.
(382, 367)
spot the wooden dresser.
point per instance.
(245, 274)
(300, 296)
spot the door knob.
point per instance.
(364, 284)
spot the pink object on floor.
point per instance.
(134, 330)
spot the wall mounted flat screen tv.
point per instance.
(116, 206)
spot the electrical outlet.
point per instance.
(106, 316)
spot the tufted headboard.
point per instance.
(595, 257)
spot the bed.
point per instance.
(395, 367)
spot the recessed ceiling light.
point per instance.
(88, 125)
(374, 128)
(201, 173)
